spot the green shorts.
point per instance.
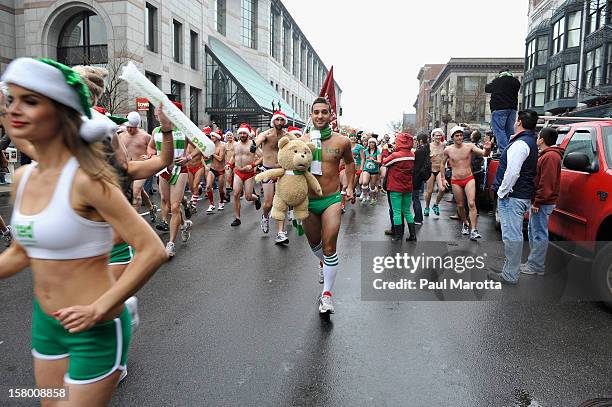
(122, 253)
(318, 205)
(94, 354)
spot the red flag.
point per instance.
(329, 91)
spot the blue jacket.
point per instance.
(524, 188)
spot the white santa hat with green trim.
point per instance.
(278, 115)
(63, 85)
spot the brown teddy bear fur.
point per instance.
(292, 189)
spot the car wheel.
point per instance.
(602, 274)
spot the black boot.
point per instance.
(412, 230)
(397, 233)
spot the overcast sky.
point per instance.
(377, 47)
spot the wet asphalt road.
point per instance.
(232, 321)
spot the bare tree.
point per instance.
(395, 126)
(115, 98)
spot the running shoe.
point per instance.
(374, 201)
(162, 226)
(153, 214)
(186, 230)
(426, 212)
(7, 236)
(193, 208)
(321, 277)
(257, 203)
(343, 211)
(186, 208)
(221, 206)
(123, 374)
(236, 222)
(465, 230)
(524, 268)
(436, 210)
(170, 249)
(281, 238)
(210, 210)
(265, 224)
(326, 304)
(132, 306)
(290, 215)
(474, 235)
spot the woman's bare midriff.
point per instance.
(63, 283)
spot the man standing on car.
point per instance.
(514, 184)
(547, 184)
(504, 101)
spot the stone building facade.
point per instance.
(427, 74)
(458, 95)
(568, 57)
(273, 62)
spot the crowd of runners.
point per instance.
(88, 179)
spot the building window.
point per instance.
(275, 34)
(597, 15)
(309, 73)
(527, 88)
(219, 15)
(554, 84)
(194, 104)
(303, 64)
(193, 49)
(542, 50)
(249, 23)
(177, 38)
(558, 36)
(296, 56)
(531, 54)
(540, 91)
(176, 89)
(83, 40)
(287, 46)
(570, 75)
(592, 68)
(573, 29)
(151, 28)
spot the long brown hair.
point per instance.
(91, 156)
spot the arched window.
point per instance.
(220, 89)
(83, 40)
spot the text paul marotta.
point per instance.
(411, 264)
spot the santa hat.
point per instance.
(456, 129)
(294, 130)
(245, 128)
(278, 115)
(207, 130)
(178, 104)
(63, 85)
(228, 133)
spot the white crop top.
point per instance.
(58, 232)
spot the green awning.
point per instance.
(253, 83)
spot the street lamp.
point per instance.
(446, 100)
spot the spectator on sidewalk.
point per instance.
(504, 101)
(421, 173)
(514, 185)
(547, 184)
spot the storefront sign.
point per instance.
(142, 104)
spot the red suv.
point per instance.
(583, 213)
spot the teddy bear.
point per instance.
(294, 179)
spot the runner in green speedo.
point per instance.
(172, 183)
(323, 223)
(359, 157)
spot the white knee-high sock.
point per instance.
(330, 269)
(318, 251)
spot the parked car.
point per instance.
(583, 214)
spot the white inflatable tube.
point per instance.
(145, 88)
